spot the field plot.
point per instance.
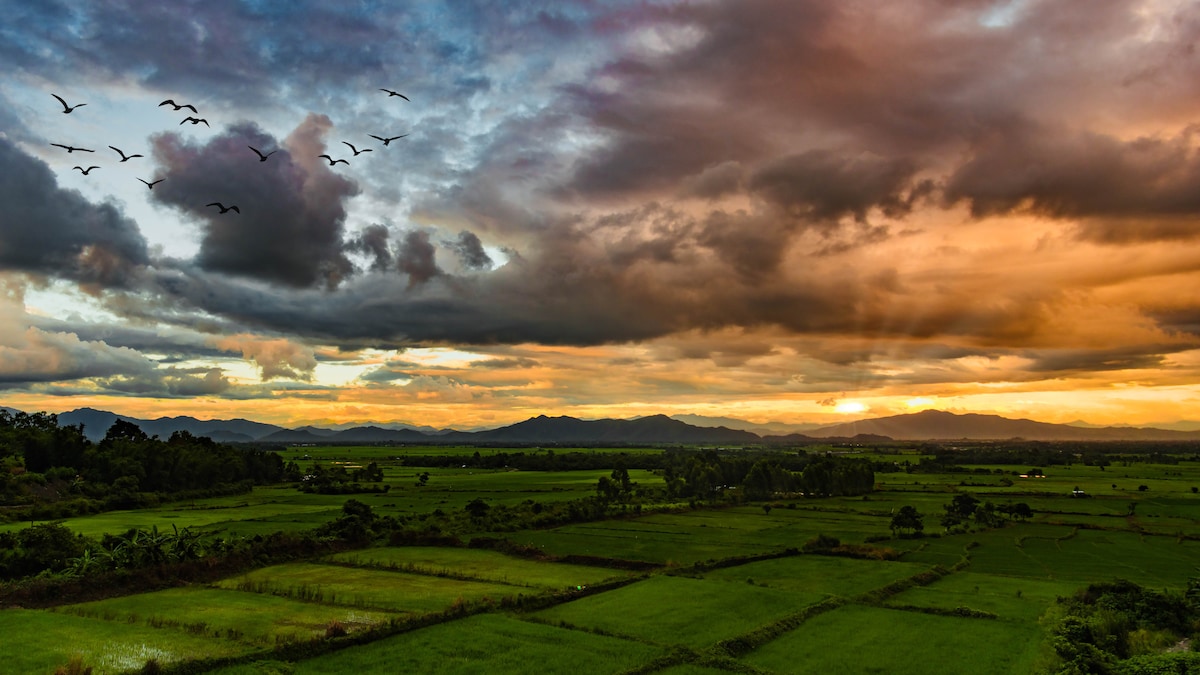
(487, 643)
(696, 536)
(675, 610)
(841, 577)
(860, 639)
(1092, 555)
(480, 565)
(1006, 597)
(253, 618)
(366, 588)
(37, 641)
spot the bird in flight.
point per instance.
(124, 157)
(189, 106)
(70, 149)
(396, 93)
(333, 161)
(85, 171)
(385, 140)
(151, 185)
(261, 157)
(223, 208)
(357, 152)
(67, 108)
(196, 120)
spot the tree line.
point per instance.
(55, 471)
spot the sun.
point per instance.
(850, 407)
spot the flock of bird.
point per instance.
(262, 157)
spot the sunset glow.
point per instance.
(796, 211)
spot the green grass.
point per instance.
(1092, 555)
(489, 643)
(1006, 597)
(365, 588)
(37, 641)
(841, 577)
(478, 564)
(700, 535)
(859, 639)
(252, 618)
(676, 610)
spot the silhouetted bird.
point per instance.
(189, 106)
(357, 152)
(386, 140)
(333, 161)
(224, 208)
(70, 149)
(261, 157)
(124, 157)
(195, 121)
(67, 108)
(396, 93)
(151, 185)
(85, 171)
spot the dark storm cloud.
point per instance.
(292, 206)
(170, 383)
(50, 230)
(470, 251)
(415, 257)
(1131, 357)
(1145, 188)
(373, 242)
(823, 185)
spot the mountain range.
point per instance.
(654, 429)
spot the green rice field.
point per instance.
(676, 590)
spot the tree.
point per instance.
(907, 519)
(477, 508)
(959, 510)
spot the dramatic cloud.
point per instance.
(275, 358)
(292, 212)
(50, 230)
(373, 241)
(780, 205)
(1144, 188)
(470, 251)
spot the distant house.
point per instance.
(1078, 493)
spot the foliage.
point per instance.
(1100, 623)
(49, 464)
(907, 519)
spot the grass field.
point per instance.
(858, 639)
(252, 618)
(480, 644)
(367, 588)
(38, 641)
(824, 576)
(1015, 572)
(480, 565)
(672, 610)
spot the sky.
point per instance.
(799, 211)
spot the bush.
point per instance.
(335, 629)
(75, 666)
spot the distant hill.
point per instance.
(650, 430)
(570, 430)
(764, 429)
(940, 425)
(96, 423)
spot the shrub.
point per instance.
(75, 666)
